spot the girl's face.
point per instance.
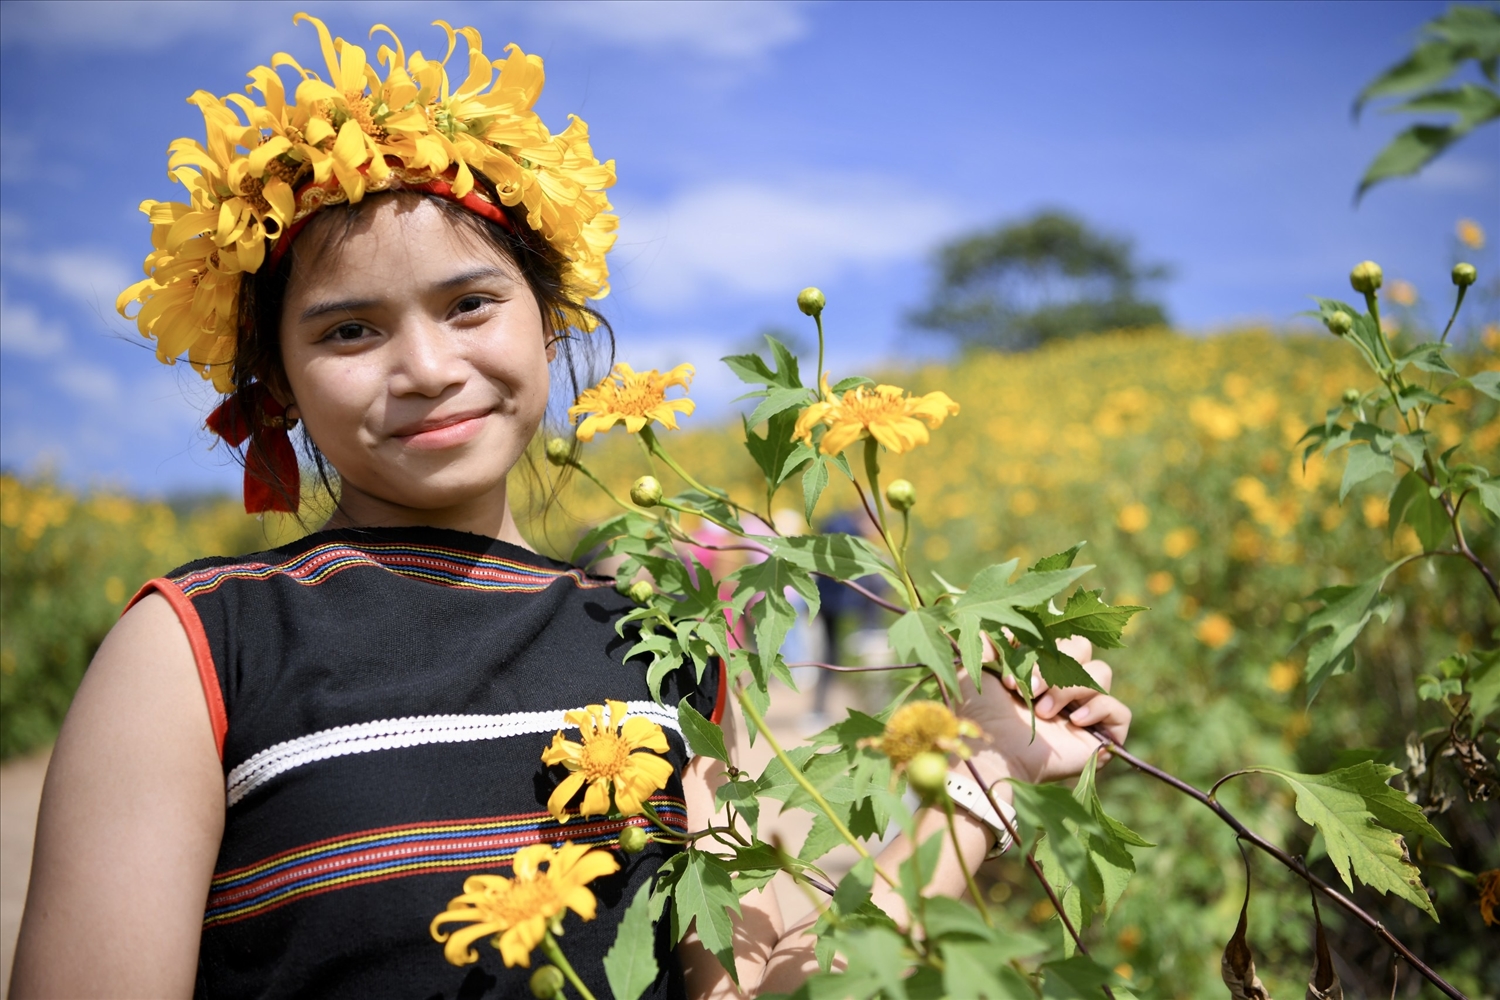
(417, 358)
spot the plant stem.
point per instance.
(872, 471)
(599, 483)
(554, 953)
(963, 865)
(748, 707)
(818, 384)
(1352, 908)
(1462, 290)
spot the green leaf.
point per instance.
(1409, 152)
(1474, 104)
(751, 368)
(1076, 978)
(880, 955)
(854, 888)
(843, 557)
(1345, 613)
(1487, 383)
(1050, 808)
(1489, 496)
(1483, 687)
(778, 401)
(1061, 560)
(814, 480)
(1088, 616)
(630, 963)
(973, 970)
(851, 382)
(705, 738)
(1414, 503)
(1429, 64)
(774, 452)
(1361, 818)
(703, 896)
(1364, 463)
(740, 793)
(917, 636)
(773, 615)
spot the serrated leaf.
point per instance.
(778, 401)
(814, 481)
(1347, 807)
(1086, 615)
(703, 737)
(773, 614)
(630, 963)
(1060, 670)
(1061, 560)
(1345, 613)
(1487, 383)
(703, 897)
(853, 891)
(1363, 463)
(917, 636)
(775, 452)
(843, 557)
(1051, 808)
(740, 793)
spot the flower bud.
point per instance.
(633, 840)
(558, 451)
(646, 492)
(927, 772)
(811, 301)
(1340, 323)
(1351, 396)
(1366, 277)
(640, 592)
(1464, 275)
(901, 494)
(547, 982)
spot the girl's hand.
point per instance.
(1062, 745)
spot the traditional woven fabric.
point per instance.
(381, 699)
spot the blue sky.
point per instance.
(761, 147)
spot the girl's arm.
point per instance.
(772, 959)
(131, 817)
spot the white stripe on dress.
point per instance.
(417, 730)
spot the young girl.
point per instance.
(279, 767)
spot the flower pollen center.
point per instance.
(605, 756)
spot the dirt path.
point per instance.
(20, 793)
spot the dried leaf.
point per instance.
(1238, 967)
(1324, 984)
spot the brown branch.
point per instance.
(1248, 835)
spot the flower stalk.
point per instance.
(556, 957)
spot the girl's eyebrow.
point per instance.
(350, 305)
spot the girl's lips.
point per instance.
(445, 435)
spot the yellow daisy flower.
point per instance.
(920, 726)
(883, 412)
(519, 911)
(605, 760)
(632, 398)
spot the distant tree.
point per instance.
(1043, 278)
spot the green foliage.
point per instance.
(630, 963)
(1466, 33)
(1045, 278)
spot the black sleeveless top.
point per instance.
(381, 699)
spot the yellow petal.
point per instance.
(557, 802)
(595, 799)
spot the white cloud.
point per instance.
(753, 238)
(24, 331)
(114, 24)
(88, 383)
(732, 29)
(91, 277)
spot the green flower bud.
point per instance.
(1351, 396)
(811, 301)
(1366, 277)
(633, 840)
(646, 492)
(558, 451)
(901, 494)
(640, 592)
(547, 982)
(927, 772)
(1464, 275)
(1340, 323)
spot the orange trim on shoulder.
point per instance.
(202, 655)
(721, 699)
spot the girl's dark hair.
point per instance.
(581, 358)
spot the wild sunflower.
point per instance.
(519, 911)
(884, 412)
(632, 398)
(607, 760)
(920, 727)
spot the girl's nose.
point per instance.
(428, 360)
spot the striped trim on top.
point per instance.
(390, 734)
(429, 563)
(411, 849)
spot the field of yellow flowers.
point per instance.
(1174, 457)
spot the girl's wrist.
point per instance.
(994, 773)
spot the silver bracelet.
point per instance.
(966, 793)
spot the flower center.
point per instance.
(866, 407)
(605, 756)
(525, 899)
(636, 398)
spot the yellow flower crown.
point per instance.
(337, 141)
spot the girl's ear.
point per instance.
(551, 349)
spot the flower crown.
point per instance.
(252, 185)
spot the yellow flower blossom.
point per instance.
(1470, 234)
(263, 167)
(519, 911)
(632, 398)
(1403, 293)
(922, 726)
(883, 412)
(1215, 630)
(607, 761)
(1133, 517)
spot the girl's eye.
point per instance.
(470, 303)
(347, 332)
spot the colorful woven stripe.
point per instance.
(399, 851)
(430, 563)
